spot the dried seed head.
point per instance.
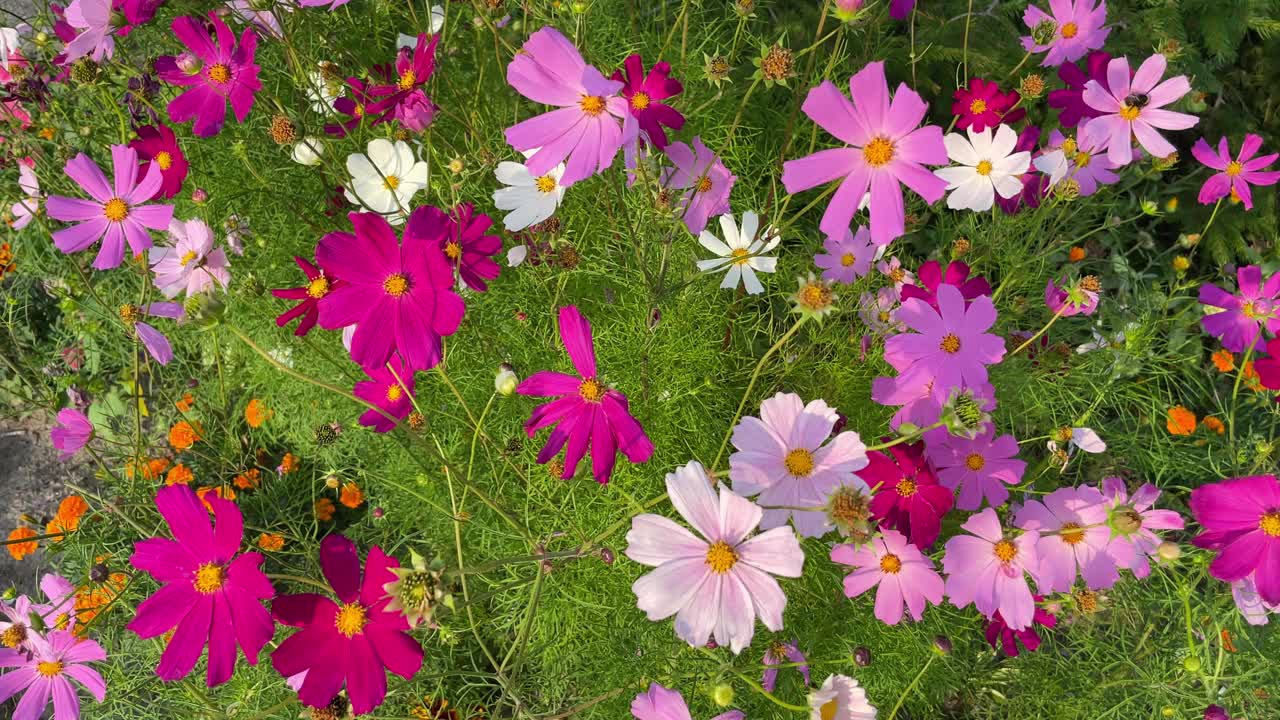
(283, 131)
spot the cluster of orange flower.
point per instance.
(67, 520)
(349, 494)
(96, 597)
(1181, 421)
(1226, 362)
(7, 265)
(256, 413)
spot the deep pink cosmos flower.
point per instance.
(1066, 297)
(468, 249)
(47, 673)
(1072, 523)
(116, 213)
(1070, 100)
(1256, 305)
(1132, 519)
(213, 73)
(900, 9)
(585, 410)
(988, 568)
(356, 101)
(318, 285)
(1077, 28)
(386, 388)
(154, 341)
(1241, 520)
(355, 642)
(646, 114)
(885, 148)
(1002, 637)
(1268, 368)
(908, 496)
(72, 431)
(848, 256)
(779, 653)
(950, 347)
(398, 294)
(718, 584)
(405, 99)
(210, 592)
(932, 274)
(1235, 176)
(660, 703)
(981, 105)
(903, 574)
(1134, 108)
(585, 130)
(979, 468)
(158, 143)
(705, 180)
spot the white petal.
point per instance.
(516, 255)
(712, 243)
(750, 224)
(1015, 164)
(976, 194)
(959, 149)
(731, 278)
(730, 230)
(750, 281)
(513, 173)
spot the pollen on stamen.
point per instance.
(721, 558)
(640, 101)
(452, 250)
(592, 104)
(975, 462)
(407, 80)
(396, 285)
(1129, 112)
(983, 168)
(350, 620)
(391, 182)
(978, 106)
(187, 257)
(318, 287)
(950, 344)
(847, 259)
(164, 159)
(906, 487)
(115, 210)
(891, 564)
(545, 184)
(799, 462)
(1071, 533)
(220, 73)
(1005, 550)
(1234, 168)
(209, 578)
(591, 390)
(741, 256)
(394, 392)
(704, 184)
(878, 152)
(49, 668)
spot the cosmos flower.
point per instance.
(840, 697)
(897, 274)
(1034, 184)
(877, 311)
(1268, 368)
(466, 246)
(158, 144)
(848, 256)
(950, 347)
(1241, 521)
(646, 113)
(1132, 519)
(979, 468)
(318, 285)
(1000, 636)
(1252, 607)
(932, 274)
(981, 105)
(1243, 316)
(95, 41)
(908, 496)
(705, 180)
(1072, 523)
(987, 568)
(661, 703)
(901, 574)
(155, 343)
(1235, 175)
(386, 388)
(718, 584)
(1069, 101)
(262, 15)
(530, 199)
(1133, 108)
(26, 209)
(191, 265)
(1077, 298)
(741, 252)
(1080, 159)
(59, 610)
(986, 166)
(214, 72)
(779, 653)
(72, 431)
(47, 672)
(1076, 28)
(386, 179)
(405, 100)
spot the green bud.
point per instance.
(1149, 207)
(722, 695)
(1044, 31)
(1192, 664)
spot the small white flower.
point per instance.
(1101, 341)
(740, 252)
(1053, 163)
(386, 179)
(1082, 438)
(26, 209)
(840, 698)
(8, 45)
(321, 90)
(530, 199)
(986, 166)
(437, 24)
(308, 151)
(516, 255)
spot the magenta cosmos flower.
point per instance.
(1234, 176)
(354, 642)
(191, 265)
(1069, 101)
(1000, 636)
(1268, 368)
(903, 575)
(1077, 28)
(885, 148)
(318, 285)
(1132, 519)
(157, 143)
(71, 432)
(981, 105)
(47, 673)
(908, 496)
(932, 274)
(116, 213)
(720, 584)
(1133, 108)
(661, 703)
(585, 410)
(210, 592)
(950, 347)
(154, 341)
(399, 295)
(784, 457)
(1256, 305)
(705, 180)
(1072, 523)
(779, 653)
(214, 74)
(979, 468)
(1241, 520)
(405, 100)
(469, 250)
(848, 256)
(585, 130)
(988, 568)
(390, 388)
(1066, 298)
(647, 114)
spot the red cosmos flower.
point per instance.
(468, 249)
(909, 499)
(318, 285)
(158, 143)
(355, 102)
(982, 105)
(646, 114)
(998, 631)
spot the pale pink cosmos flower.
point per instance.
(662, 703)
(1133, 108)
(715, 586)
(93, 19)
(988, 568)
(901, 572)
(1074, 535)
(897, 274)
(56, 664)
(1132, 519)
(191, 265)
(26, 209)
(1252, 607)
(1077, 29)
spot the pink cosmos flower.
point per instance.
(1256, 305)
(467, 248)
(585, 410)
(155, 343)
(1235, 176)
(333, 4)
(398, 294)
(26, 209)
(191, 265)
(660, 703)
(981, 105)
(1252, 607)
(405, 100)
(705, 180)
(979, 468)
(355, 102)
(1035, 185)
(1077, 29)
(1241, 520)
(355, 640)
(585, 130)
(15, 622)
(932, 274)
(1268, 368)
(897, 274)
(908, 496)
(950, 347)
(779, 653)
(997, 631)
(210, 592)
(386, 388)
(848, 256)
(93, 19)
(214, 74)
(877, 311)
(1076, 299)
(1133, 108)
(318, 285)
(885, 148)
(1074, 535)
(1080, 158)
(1132, 520)
(47, 673)
(263, 17)
(784, 457)
(115, 214)
(1070, 100)
(903, 574)
(59, 612)
(158, 143)
(988, 569)
(900, 9)
(720, 584)
(72, 431)
(647, 114)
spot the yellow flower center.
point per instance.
(1083, 159)
(164, 159)
(452, 250)
(815, 296)
(350, 619)
(50, 668)
(1270, 523)
(591, 390)
(1070, 30)
(358, 111)
(391, 182)
(407, 79)
(62, 621)
(1129, 112)
(847, 259)
(545, 184)
(984, 167)
(1005, 550)
(1071, 533)
(394, 393)
(890, 564)
(883, 316)
(188, 257)
(592, 104)
(721, 557)
(975, 461)
(906, 487)
(897, 275)
(115, 210)
(220, 73)
(209, 578)
(14, 636)
(799, 462)
(1069, 146)
(396, 285)
(741, 256)
(639, 101)
(704, 184)
(130, 314)
(828, 709)
(1234, 168)
(950, 344)
(878, 152)
(978, 106)
(1251, 311)
(318, 288)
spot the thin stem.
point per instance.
(906, 438)
(915, 681)
(738, 117)
(758, 687)
(298, 579)
(1235, 391)
(1040, 332)
(755, 374)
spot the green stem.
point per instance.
(1040, 332)
(755, 374)
(915, 681)
(757, 687)
(742, 107)
(911, 437)
(1235, 391)
(298, 579)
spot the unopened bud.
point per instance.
(1169, 551)
(862, 656)
(506, 381)
(722, 695)
(942, 644)
(332, 482)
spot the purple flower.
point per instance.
(877, 313)
(191, 265)
(1077, 29)
(979, 468)
(1241, 520)
(1252, 607)
(988, 568)
(778, 653)
(646, 114)
(71, 432)
(1234, 176)
(1078, 158)
(900, 9)
(156, 344)
(848, 257)
(1134, 108)
(1081, 298)
(931, 275)
(1216, 712)
(1070, 100)
(661, 703)
(705, 180)
(48, 671)
(950, 347)
(1074, 535)
(901, 572)
(1239, 324)
(386, 388)
(1132, 519)
(214, 74)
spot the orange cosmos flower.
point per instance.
(248, 479)
(257, 412)
(351, 496)
(1213, 424)
(289, 463)
(271, 542)
(179, 475)
(1223, 360)
(186, 403)
(324, 509)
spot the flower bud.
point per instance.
(332, 482)
(606, 556)
(506, 381)
(308, 151)
(99, 573)
(722, 695)
(862, 656)
(1044, 31)
(199, 196)
(1168, 551)
(189, 63)
(942, 644)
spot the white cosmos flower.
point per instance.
(840, 698)
(986, 166)
(517, 255)
(386, 178)
(437, 24)
(740, 252)
(1082, 438)
(323, 89)
(8, 44)
(530, 199)
(308, 151)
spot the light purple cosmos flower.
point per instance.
(71, 432)
(1234, 176)
(116, 213)
(897, 274)
(720, 584)
(877, 311)
(980, 468)
(904, 575)
(1081, 159)
(156, 344)
(705, 180)
(93, 19)
(661, 703)
(47, 673)
(1077, 29)
(1252, 607)
(585, 130)
(988, 569)
(1071, 298)
(213, 73)
(950, 347)
(885, 148)
(848, 256)
(777, 654)
(262, 18)
(1255, 305)
(1073, 523)
(1133, 108)
(191, 265)
(784, 456)
(1132, 519)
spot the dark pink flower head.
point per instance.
(585, 410)
(1133, 108)
(900, 9)
(469, 250)
(1256, 305)
(404, 100)
(932, 274)
(950, 346)
(71, 432)
(899, 571)
(705, 180)
(318, 285)
(1070, 100)
(885, 148)
(1072, 523)
(399, 295)
(1074, 28)
(391, 388)
(1071, 297)
(908, 496)
(1268, 368)
(998, 631)
(214, 72)
(980, 467)
(158, 144)
(353, 641)
(1132, 519)
(356, 102)
(778, 653)
(210, 592)
(1235, 176)
(988, 568)
(1241, 520)
(47, 672)
(115, 214)
(646, 113)
(584, 133)
(136, 12)
(1216, 712)
(1035, 185)
(981, 105)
